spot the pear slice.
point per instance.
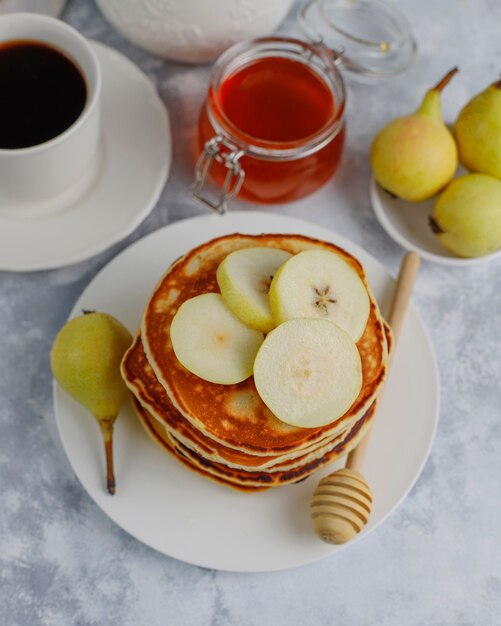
(319, 283)
(211, 342)
(308, 372)
(244, 278)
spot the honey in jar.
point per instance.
(272, 127)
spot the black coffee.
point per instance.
(42, 93)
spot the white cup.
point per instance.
(39, 179)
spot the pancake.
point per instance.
(251, 480)
(141, 380)
(234, 415)
(158, 435)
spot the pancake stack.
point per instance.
(225, 432)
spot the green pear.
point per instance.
(478, 132)
(467, 215)
(414, 157)
(85, 360)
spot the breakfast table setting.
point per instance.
(260, 243)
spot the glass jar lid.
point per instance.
(368, 37)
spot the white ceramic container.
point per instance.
(45, 7)
(193, 31)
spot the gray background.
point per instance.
(436, 561)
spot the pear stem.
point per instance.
(445, 80)
(497, 84)
(106, 425)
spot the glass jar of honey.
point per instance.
(272, 127)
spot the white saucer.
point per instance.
(407, 224)
(132, 170)
(183, 515)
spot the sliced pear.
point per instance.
(244, 278)
(211, 342)
(308, 372)
(318, 283)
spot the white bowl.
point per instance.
(193, 31)
(407, 224)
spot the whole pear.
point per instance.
(414, 157)
(85, 360)
(478, 132)
(467, 215)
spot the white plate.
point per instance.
(129, 176)
(185, 516)
(407, 224)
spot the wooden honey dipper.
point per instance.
(342, 502)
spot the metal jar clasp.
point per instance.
(228, 154)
